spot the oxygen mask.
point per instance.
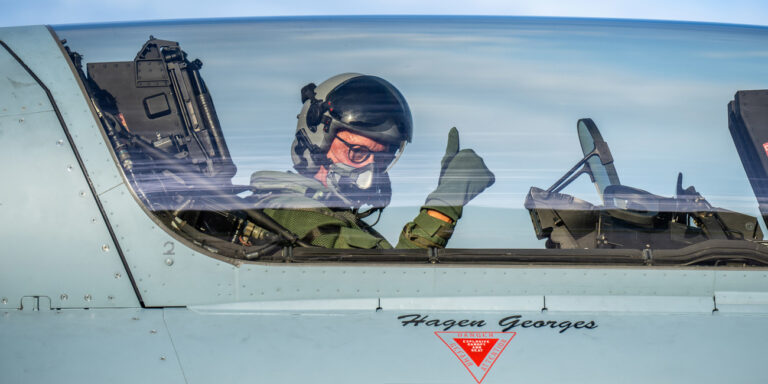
(358, 186)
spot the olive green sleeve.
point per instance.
(426, 231)
(322, 228)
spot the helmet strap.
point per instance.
(319, 157)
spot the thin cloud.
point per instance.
(91, 11)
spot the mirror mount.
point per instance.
(571, 175)
(601, 151)
(592, 145)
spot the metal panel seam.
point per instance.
(178, 358)
(79, 159)
(111, 188)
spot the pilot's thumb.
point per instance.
(452, 148)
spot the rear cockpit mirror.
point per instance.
(597, 161)
(597, 155)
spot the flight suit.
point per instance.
(305, 207)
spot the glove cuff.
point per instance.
(452, 211)
(426, 231)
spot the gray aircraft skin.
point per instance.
(93, 288)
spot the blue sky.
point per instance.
(89, 11)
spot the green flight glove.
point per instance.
(463, 177)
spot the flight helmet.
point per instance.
(366, 105)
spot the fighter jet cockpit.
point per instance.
(472, 159)
(385, 199)
(628, 217)
(173, 152)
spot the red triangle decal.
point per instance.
(477, 351)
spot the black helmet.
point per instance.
(367, 105)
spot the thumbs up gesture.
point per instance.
(463, 176)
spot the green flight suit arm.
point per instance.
(325, 228)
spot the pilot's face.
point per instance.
(357, 151)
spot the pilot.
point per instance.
(351, 130)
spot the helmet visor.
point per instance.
(372, 107)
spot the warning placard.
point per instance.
(477, 351)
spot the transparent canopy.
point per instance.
(532, 97)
